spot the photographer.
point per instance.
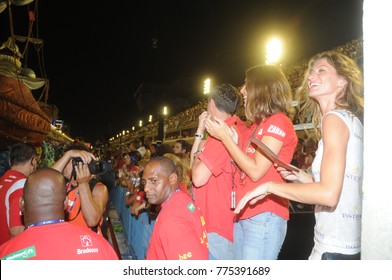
(87, 198)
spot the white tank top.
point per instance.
(339, 229)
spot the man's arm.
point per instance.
(15, 223)
(200, 173)
(196, 147)
(93, 203)
(63, 161)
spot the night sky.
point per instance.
(97, 53)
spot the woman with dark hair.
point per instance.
(260, 229)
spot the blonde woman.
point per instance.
(182, 163)
(333, 93)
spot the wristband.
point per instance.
(198, 135)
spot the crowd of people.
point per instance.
(222, 196)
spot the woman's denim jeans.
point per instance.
(219, 248)
(259, 237)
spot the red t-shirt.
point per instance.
(280, 127)
(60, 241)
(11, 189)
(179, 232)
(184, 188)
(214, 198)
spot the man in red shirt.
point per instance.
(179, 232)
(213, 172)
(23, 159)
(47, 236)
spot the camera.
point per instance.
(96, 167)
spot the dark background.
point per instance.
(99, 54)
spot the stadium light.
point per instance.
(274, 51)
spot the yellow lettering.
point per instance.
(204, 237)
(185, 256)
(203, 222)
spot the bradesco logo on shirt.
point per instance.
(86, 241)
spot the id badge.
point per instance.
(233, 196)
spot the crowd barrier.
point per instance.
(137, 229)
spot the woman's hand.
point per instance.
(252, 197)
(301, 176)
(217, 128)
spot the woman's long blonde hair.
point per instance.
(350, 97)
(182, 163)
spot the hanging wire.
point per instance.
(30, 29)
(37, 44)
(10, 19)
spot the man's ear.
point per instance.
(21, 203)
(65, 203)
(173, 178)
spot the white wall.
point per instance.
(377, 184)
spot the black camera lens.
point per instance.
(98, 166)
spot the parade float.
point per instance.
(22, 119)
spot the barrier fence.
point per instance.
(137, 229)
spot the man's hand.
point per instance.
(137, 207)
(82, 173)
(84, 155)
(202, 118)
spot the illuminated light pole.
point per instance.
(274, 51)
(150, 118)
(140, 123)
(207, 86)
(161, 124)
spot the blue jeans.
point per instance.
(219, 248)
(259, 237)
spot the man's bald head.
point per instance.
(44, 194)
